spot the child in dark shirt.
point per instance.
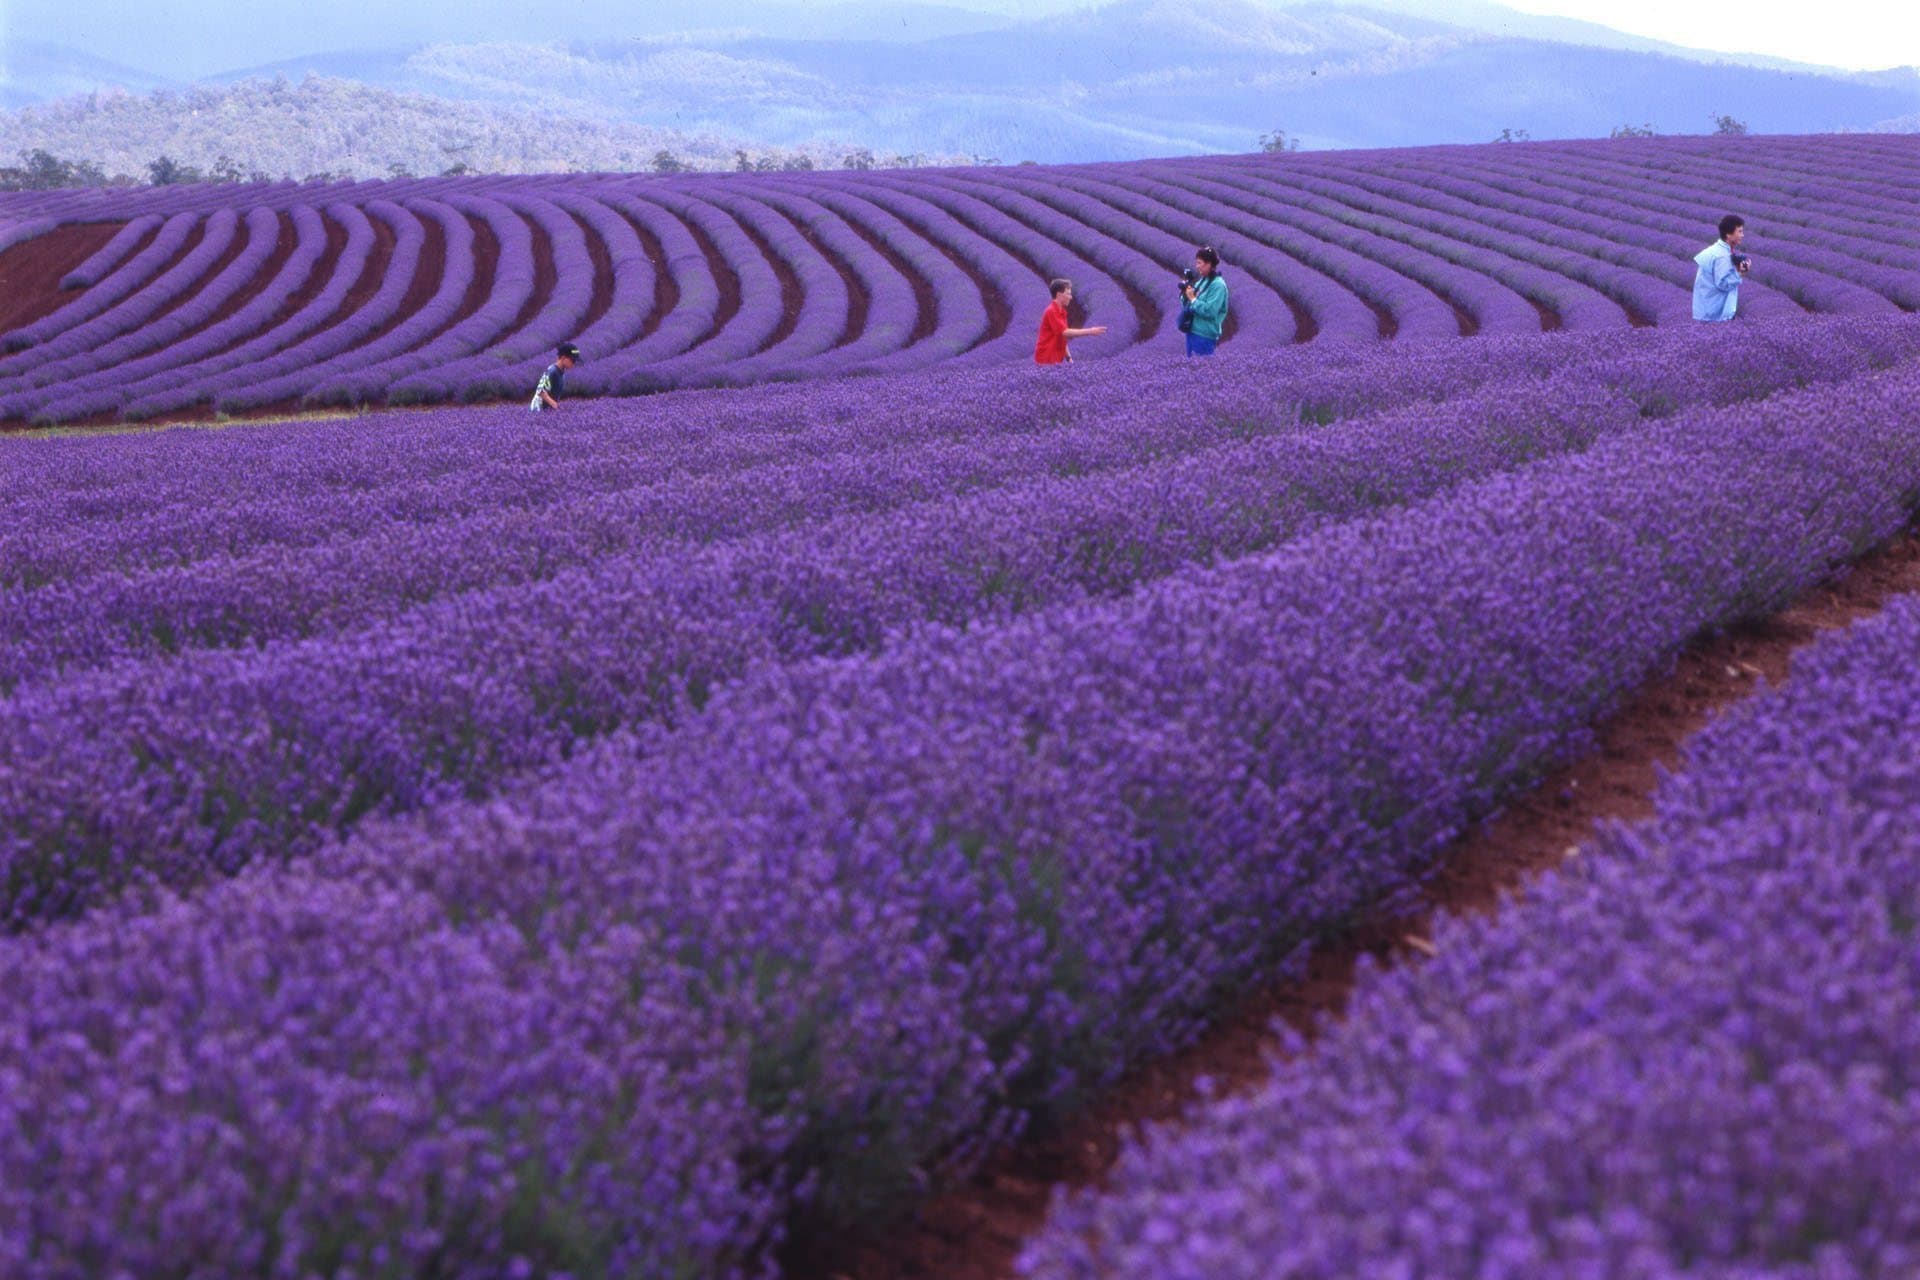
(547, 394)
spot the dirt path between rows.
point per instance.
(975, 1231)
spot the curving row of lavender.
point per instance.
(1691, 1053)
(790, 816)
(453, 289)
(399, 644)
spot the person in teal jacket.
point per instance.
(1206, 302)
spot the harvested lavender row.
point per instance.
(1691, 1052)
(290, 372)
(1813, 290)
(129, 328)
(374, 570)
(107, 256)
(363, 375)
(1548, 274)
(224, 344)
(1382, 279)
(163, 341)
(861, 916)
(92, 311)
(1417, 243)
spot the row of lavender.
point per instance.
(860, 916)
(384, 665)
(261, 295)
(1692, 1053)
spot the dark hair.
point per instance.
(1060, 286)
(1206, 254)
(1730, 224)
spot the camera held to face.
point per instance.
(1188, 279)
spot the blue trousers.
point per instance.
(1199, 346)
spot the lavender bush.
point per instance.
(1689, 1053)
(821, 942)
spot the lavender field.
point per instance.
(436, 846)
(1692, 1053)
(144, 303)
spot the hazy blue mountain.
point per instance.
(227, 34)
(1141, 78)
(280, 128)
(1129, 79)
(1499, 20)
(37, 70)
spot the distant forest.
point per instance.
(321, 128)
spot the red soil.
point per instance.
(283, 248)
(999, 309)
(975, 1231)
(545, 276)
(859, 301)
(602, 259)
(427, 273)
(666, 291)
(486, 262)
(926, 304)
(368, 282)
(723, 276)
(790, 290)
(30, 272)
(227, 255)
(323, 269)
(1305, 327)
(1145, 314)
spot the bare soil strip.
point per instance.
(31, 271)
(859, 302)
(975, 1231)
(602, 257)
(666, 290)
(926, 303)
(546, 274)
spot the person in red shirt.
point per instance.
(1051, 348)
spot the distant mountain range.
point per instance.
(1129, 79)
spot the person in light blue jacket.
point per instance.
(1716, 285)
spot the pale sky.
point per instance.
(1858, 34)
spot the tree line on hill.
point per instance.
(320, 128)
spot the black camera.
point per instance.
(1740, 260)
(1188, 279)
